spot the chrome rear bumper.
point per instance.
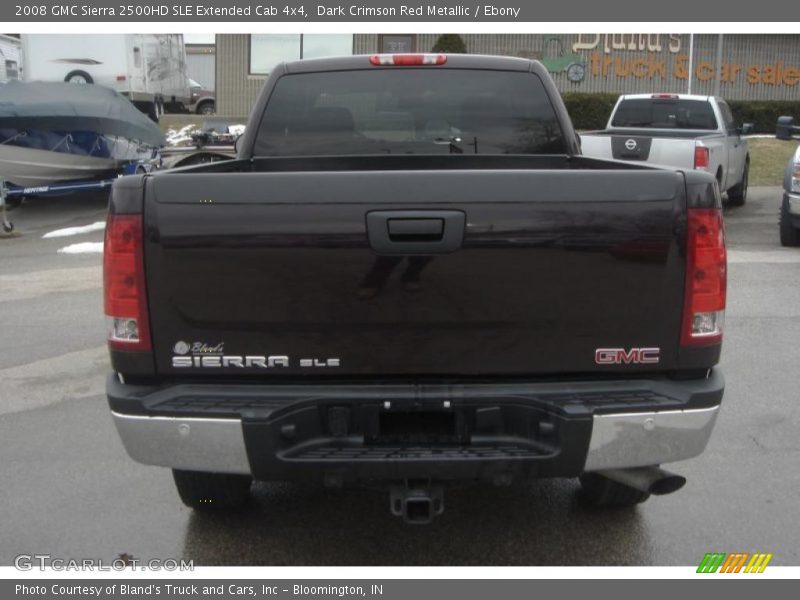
(641, 439)
(218, 444)
(215, 445)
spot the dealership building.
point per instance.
(737, 67)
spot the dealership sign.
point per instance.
(656, 56)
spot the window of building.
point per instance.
(267, 50)
(398, 44)
(12, 70)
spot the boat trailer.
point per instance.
(9, 191)
(12, 192)
(166, 160)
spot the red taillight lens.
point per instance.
(700, 157)
(122, 77)
(123, 284)
(706, 278)
(407, 60)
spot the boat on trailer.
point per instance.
(53, 132)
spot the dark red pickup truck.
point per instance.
(410, 275)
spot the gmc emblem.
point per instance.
(632, 356)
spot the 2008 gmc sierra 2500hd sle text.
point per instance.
(410, 275)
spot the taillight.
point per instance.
(407, 60)
(122, 77)
(706, 278)
(123, 284)
(795, 183)
(700, 157)
(664, 96)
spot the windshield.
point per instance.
(409, 111)
(665, 114)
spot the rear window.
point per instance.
(409, 111)
(665, 114)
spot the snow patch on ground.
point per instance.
(97, 226)
(181, 136)
(781, 255)
(82, 248)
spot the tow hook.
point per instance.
(417, 502)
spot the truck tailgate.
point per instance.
(676, 151)
(349, 273)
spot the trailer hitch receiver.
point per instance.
(417, 503)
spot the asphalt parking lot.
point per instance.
(69, 490)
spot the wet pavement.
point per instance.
(69, 490)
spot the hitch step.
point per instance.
(417, 504)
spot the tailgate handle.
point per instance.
(415, 232)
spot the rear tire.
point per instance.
(601, 492)
(212, 491)
(790, 235)
(737, 195)
(81, 77)
(206, 108)
(152, 111)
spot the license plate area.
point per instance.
(417, 427)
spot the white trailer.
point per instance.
(150, 69)
(9, 58)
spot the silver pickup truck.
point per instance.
(680, 131)
(790, 206)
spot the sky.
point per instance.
(198, 38)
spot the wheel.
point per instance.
(602, 492)
(790, 235)
(212, 491)
(737, 195)
(206, 108)
(78, 77)
(152, 111)
(576, 72)
(8, 226)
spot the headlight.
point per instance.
(796, 178)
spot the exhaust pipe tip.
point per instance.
(651, 480)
